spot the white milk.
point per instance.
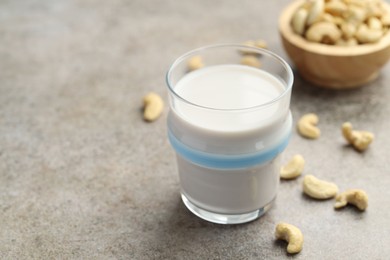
(246, 128)
(227, 87)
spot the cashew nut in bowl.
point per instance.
(292, 235)
(349, 30)
(307, 126)
(336, 8)
(356, 14)
(315, 11)
(366, 35)
(349, 42)
(355, 197)
(374, 23)
(327, 18)
(153, 106)
(323, 32)
(319, 189)
(360, 140)
(293, 168)
(385, 19)
(365, 20)
(298, 21)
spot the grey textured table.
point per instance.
(82, 176)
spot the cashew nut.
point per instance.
(195, 62)
(319, 189)
(360, 140)
(355, 197)
(153, 106)
(355, 14)
(307, 126)
(261, 44)
(258, 44)
(349, 42)
(385, 19)
(348, 29)
(298, 21)
(385, 30)
(366, 35)
(293, 168)
(352, 42)
(327, 18)
(249, 43)
(315, 12)
(359, 3)
(324, 32)
(292, 235)
(335, 7)
(374, 23)
(338, 20)
(251, 60)
(335, 22)
(374, 9)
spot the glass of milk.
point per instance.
(228, 124)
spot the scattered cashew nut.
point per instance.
(307, 126)
(319, 189)
(293, 168)
(261, 44)
(249, 43)
(195, 62)
(153, 106)
(251, 60)
(258, 44)
(355, 197)
(292, 235)
(360, 140)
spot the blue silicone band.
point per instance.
(226, 161)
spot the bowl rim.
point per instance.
(286, 31)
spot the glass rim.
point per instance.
(261, 51)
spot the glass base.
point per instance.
(225, 218)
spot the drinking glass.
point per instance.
(228, 135)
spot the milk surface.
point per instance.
(228, 87)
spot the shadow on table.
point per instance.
(182, 234)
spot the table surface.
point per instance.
(82, 176)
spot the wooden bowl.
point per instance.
(337, 67)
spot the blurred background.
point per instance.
(82, 176)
